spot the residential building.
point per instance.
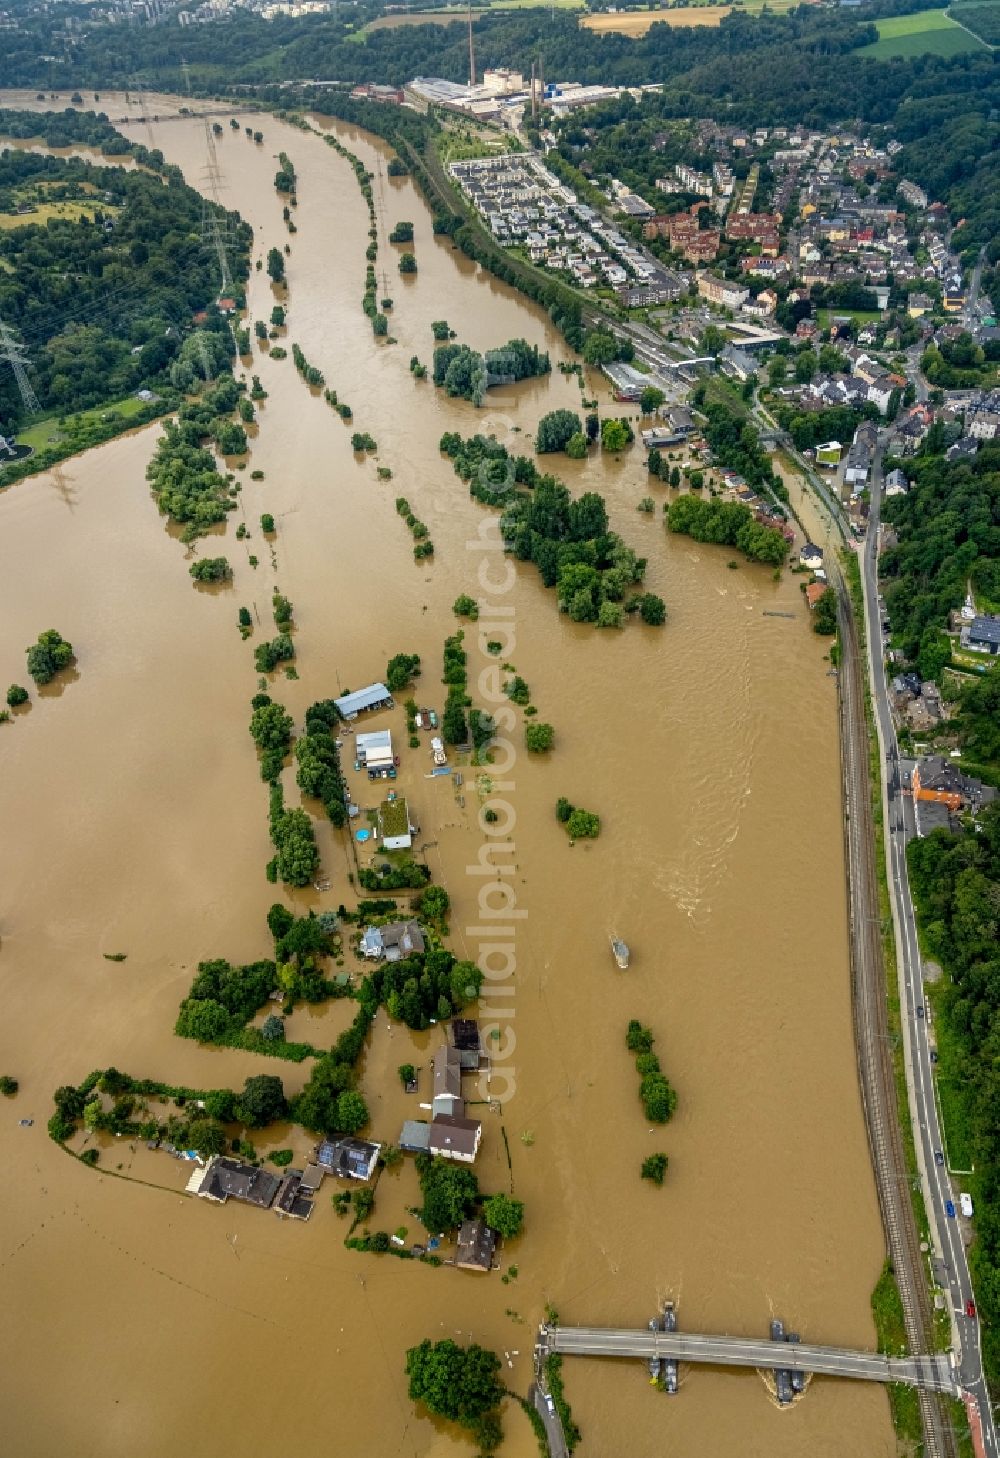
(448, 1082)
(415, 1137)
(811, 556)
(348, 1159)
(456, 1138)
(394, 824)
(896, 483)
(475, 1246)
(720, 291)
(393, 942)
(939, 779)
(230, 1179)
(983, 635)
(829, 453)
(468, 1044)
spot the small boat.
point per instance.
(620, 952)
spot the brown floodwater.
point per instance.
(142, 1322)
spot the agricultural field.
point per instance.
(925, 32)
(982, 16)
(449, 14)
(637, 22)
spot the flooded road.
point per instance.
(135, 821)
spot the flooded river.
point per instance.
(142, 1322)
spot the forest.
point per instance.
(948, 525)
(103, 296)
(956, 886)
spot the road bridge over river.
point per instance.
(935, 1373)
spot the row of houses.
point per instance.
(290, 1194)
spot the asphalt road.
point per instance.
(933, 1372)
(946, 1231)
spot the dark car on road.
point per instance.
(938, 1157)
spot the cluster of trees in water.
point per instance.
(102, 301)
(948, 528)
(468, 374)
(595, 574)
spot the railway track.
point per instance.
(875, 1064)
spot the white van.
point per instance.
(965, 1205)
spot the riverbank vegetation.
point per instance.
(727, 524)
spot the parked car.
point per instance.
(934, 1057)
(970, 1308)
(949, 1209)
(938, 1157)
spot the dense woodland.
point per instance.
(956, 885)
(102, 301)
(949, 536)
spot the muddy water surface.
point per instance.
(134, 821)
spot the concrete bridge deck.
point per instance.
(935, 1372)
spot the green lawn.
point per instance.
(926, 31)
(860, 316)
(49, 431)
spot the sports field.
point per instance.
(925, 32)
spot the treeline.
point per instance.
(955, 881)
(596, 576)
(103, 301)
(726, 524)
(948, 529)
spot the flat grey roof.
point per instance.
(361, 699)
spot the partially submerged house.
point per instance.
(392, 942)
(447, 1082)
(476, 1246)
(348, 1159)
(455, 1138)
(394, 824)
